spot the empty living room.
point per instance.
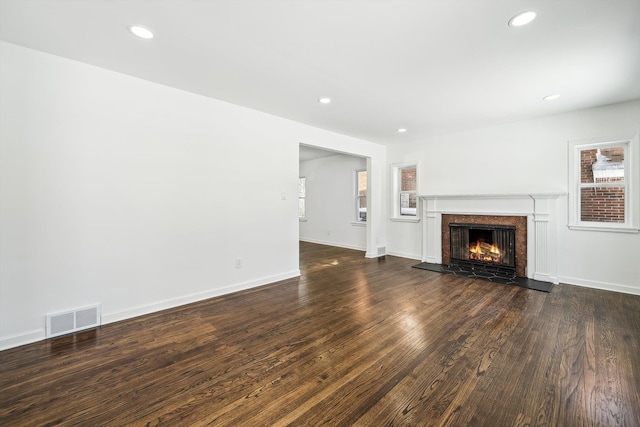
(349, 212)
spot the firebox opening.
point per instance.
(492, 246)
(481, 247)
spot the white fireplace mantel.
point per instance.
(542, 221)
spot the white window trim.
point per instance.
(632, 184)
(395, 192)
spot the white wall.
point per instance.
(119, 191)
(138, 196)
(529, 157)
(330, 202)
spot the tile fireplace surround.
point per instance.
(542, 221)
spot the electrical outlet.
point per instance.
(238, 262)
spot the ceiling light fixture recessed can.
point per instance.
(402, 130)
(551, 97)
(141, 32)
(522, 19)
(324, 100)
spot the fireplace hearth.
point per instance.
(486, 247)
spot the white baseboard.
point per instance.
(545, 278)
(373, 255)
(22, 338)
(36, 335)
(600, 285)
(338, 245)
(405, 255)
(188, 299)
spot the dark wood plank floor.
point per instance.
(354, 341)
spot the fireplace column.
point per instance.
(546, 244)
(431, 242)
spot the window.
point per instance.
(302, 193)
(408, 196)
(601, 180)
(405, 192)
(361, 196)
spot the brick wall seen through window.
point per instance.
(408, 196)
(601, 200)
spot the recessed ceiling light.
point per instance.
(551, 97)
(402, 130)
(141, 32)
(324, 100)
(522, 19)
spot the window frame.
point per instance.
(396, 187)
(302, 197)
(358, 196)
(630, 185)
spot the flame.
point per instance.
(491, 254)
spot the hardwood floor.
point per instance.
(353, 341)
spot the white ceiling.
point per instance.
(431, 66)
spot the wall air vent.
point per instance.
(382, 250)
(73, 320)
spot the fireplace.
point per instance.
(534, 215)
(486, 246)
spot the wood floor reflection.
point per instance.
(354, 341)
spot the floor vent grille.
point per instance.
(73, 320)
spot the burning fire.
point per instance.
(481, 251)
